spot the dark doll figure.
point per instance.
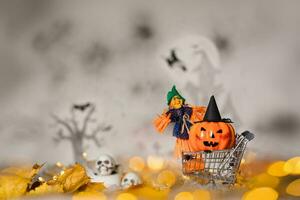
(183, 116)
(180, 116)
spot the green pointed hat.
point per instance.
(173, 93)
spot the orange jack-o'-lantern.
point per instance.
(213, 133)
(212, 136)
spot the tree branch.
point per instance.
(87, 118)
(63, 123)
(95, 132)
(73, 121)
(60, 136)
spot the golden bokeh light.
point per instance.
(84, 155)
(166, 178)
(264, 193)
(155, 163)
(201, 195)
(184, 196)
(87, 195)
(137, 164)
(264, 180)
(126, 196)
(292, 166)
(277, 169)
(41, 179)
(294, 188)
(59, 164)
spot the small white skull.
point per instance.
(105, 165)
(130, 179)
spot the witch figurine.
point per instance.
(213, 132)
(183, 116)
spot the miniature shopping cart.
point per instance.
(220, 166)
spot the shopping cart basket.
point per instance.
(220, 166)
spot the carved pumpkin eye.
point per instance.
(203, 129)
(220, 131)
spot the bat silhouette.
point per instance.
(81, 107)
(173, 59)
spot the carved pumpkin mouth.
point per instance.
(210, 144)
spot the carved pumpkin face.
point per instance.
(211, 136)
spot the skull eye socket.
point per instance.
(106, 162)
(203, 129)
(99, 162)
(125, 179)
(220, 131)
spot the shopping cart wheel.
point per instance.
(248, 135)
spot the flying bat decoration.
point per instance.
(173, 60)
(81, 107)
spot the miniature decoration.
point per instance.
(106, 165)
(216, 150)
(105, 171)
(131, 179)
(76, 132)
(196, 60)
(183, 116)
(213, 132)
(173, 61)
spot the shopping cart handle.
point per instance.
(248, 135)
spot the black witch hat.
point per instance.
(212, 113)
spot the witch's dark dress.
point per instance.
(180, 130)
(177, 115)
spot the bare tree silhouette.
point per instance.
(72, 130)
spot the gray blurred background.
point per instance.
(56, 53)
